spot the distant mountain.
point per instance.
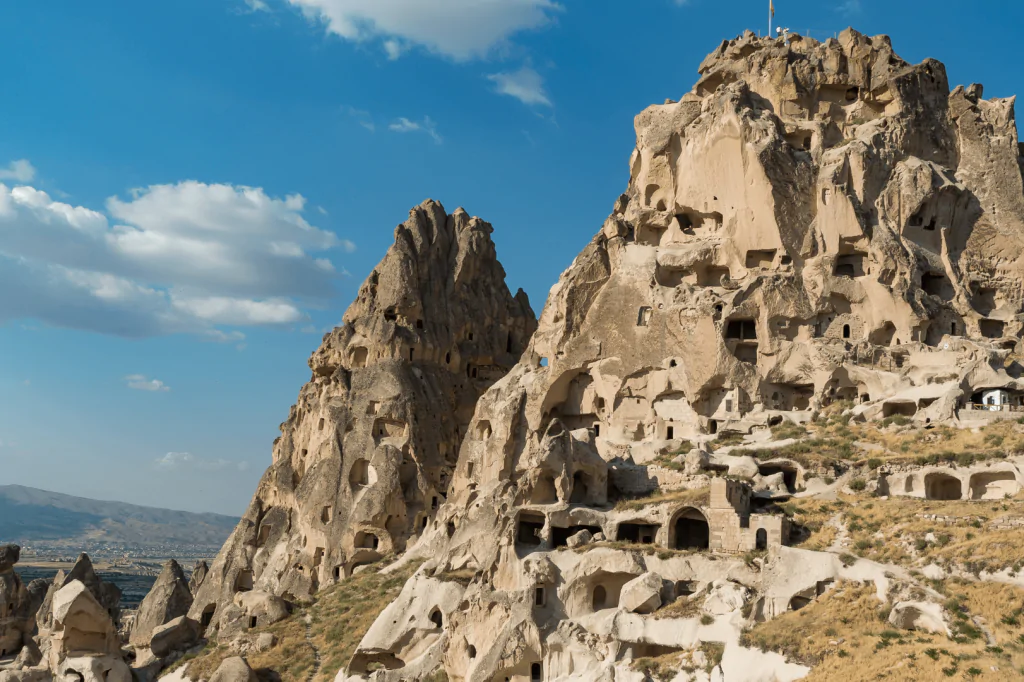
(28, 514)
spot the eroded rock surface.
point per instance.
(367, 454)
(812, 223)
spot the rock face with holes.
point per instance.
(368, 452)
(811, 223)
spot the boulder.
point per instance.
(177, 635)
(584, 537)
(264, 607)
(725, 596)
(642, 594)
(917, 615)
(234, 669)
(168, 599)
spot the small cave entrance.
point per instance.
(243, 581)
(761, 539)
(993, 485)
(602, 598)
(560, 536)
(637, 533)
(936, 284)
(529, 529)
(643, 317)
(536, 672)
(580, 488)
(684, 588)
(359, 475)
(939, 486)
(364, 540)
(991, 329)
(713, 276)
(850, 265)
(359, 356)
(798, 602)
(207, 617)
(691, 530)
(899, 409)
(741, 330)
(984, 300)
(789, 474)
(760, 259)
(544, 491)
(437, 619)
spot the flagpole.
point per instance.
(770, 17)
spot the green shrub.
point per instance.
(874, 463)
(858, 485)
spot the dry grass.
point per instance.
(344, 613)
(697, 498)
(892, 530)
(829, 441)
(338, 619)
(844, 636)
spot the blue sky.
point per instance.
(193, 190)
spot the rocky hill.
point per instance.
(30, 515)
(367, 454)
(769, 426)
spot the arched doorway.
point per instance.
(761, 539)
(600, 598)
(942, 487)
(690, 530)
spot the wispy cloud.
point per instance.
(257, 6)
(186, 460)
(849, 7)
(19, 171)
(458, 29)
(404, 125)
(360, 116)
(140, 382)
(526, 85)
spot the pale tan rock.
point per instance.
(175, 635)
(642, 594)
(916, 615)
(234, 669)
(367, 454)
(168, 599)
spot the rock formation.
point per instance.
(368, 452)
(18, 604)
(108, 595)
(169, 598)
(812, 223)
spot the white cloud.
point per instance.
(170, 258)
(849, 7)
(186, 460)
(257, 6)
(361, 117)
(404, 125)
(140, 382)
(19, 171)
(526, 85)
(460, 29)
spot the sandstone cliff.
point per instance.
(367, 454)
(814, 224)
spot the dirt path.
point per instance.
(316, 652)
